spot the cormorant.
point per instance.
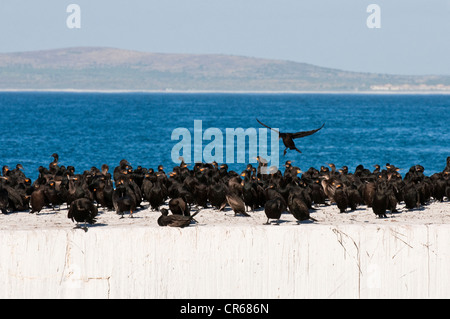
(318, 195)
(38, 199)
(447, 167)
(52, 195)
(122, 199)
(341, 198)
(156, 195)
(380, 201)
(354, 197)
(174, 220)
(411, 196)
(288, 138)
(369, 193)
(179, 207)
(299, 209)
(217, 195)
(84, 211)
(4, 201)
(237, 204)
(273, 209)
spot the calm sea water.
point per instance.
(91, 129)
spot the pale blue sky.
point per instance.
(414, 37)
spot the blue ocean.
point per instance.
(91, 129)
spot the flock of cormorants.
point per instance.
(213, 185)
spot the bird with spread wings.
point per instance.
(288, 138)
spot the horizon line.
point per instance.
(170, 91)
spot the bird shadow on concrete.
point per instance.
(416, 209)
(274, 223)
(97, 225)
(307, 222)
(47, 213)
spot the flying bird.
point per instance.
(288, 138)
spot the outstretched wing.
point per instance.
(306, 133)
(268, 126)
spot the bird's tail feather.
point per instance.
(193, 215)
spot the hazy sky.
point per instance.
(414, 37)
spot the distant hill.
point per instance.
(92, 68)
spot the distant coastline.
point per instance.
(99, 69)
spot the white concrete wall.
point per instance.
(306, 261)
